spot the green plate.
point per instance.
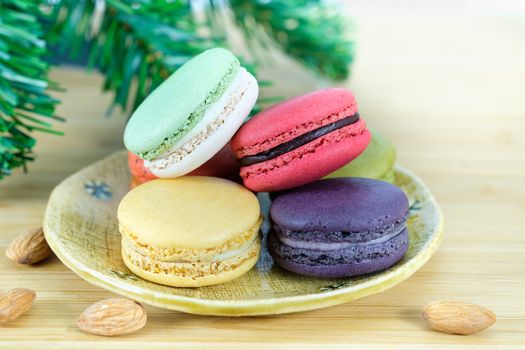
(81, 227)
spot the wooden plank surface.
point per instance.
(448, 91)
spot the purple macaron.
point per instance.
(339, 227)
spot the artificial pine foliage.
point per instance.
(25, 105)
(144, 40)
(305, 29)
(136, 44)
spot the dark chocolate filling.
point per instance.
(298, 141)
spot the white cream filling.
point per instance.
(338, 246)
(219, 257)
(237, 95)
(236, 252)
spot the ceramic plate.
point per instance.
(82, 229)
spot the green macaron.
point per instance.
(179, 103)
(376, 162)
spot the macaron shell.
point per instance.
(291, 118)
(190, 212)
(354, 261)
(177, 280)
(376, 162)
(340, 205)
(309, 162)
(138, 171)
(134, 182)
(390, 176)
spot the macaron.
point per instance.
(300, 140)
(376, 162)
(190, 231)
(187, 119)
(139, 173)
(339, 227)
(223, 164)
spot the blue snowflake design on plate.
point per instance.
(98, 189)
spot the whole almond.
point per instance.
(457, 317)
(14, 303)
(29, 248)
(115, 316)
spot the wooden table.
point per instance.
(448, 91)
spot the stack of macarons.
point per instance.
(194, 220)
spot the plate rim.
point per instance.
(266, 306)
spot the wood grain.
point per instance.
(448, 91)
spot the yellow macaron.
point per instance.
(190, 231)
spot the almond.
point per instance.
(29, 248)
(14, 303)
(457, 317)
(110, 317)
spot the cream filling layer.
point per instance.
(241, 87)
(226, 255)
(193, 269)
(341, 245)
(229, 254)
(132, 242)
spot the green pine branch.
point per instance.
(142, 41)
(312, 31)
(149, 39)
(25, 105)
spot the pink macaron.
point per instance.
(300, 140)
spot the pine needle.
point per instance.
(25, 105)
